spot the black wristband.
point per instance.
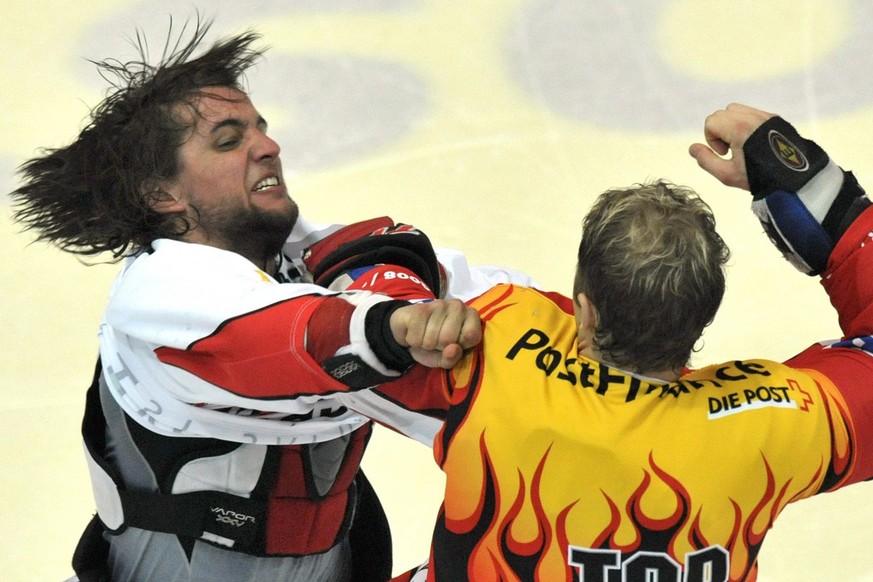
(377, 330)
(779, 158)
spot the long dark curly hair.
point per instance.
(97, 194)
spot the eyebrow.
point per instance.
(236, 123)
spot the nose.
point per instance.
(265, 147)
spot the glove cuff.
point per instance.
(377, 327)
(779, 158)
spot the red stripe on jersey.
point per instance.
(264, 354)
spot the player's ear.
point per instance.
(162, 197)
(586, 320)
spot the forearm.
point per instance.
(803, 199)
(414, 405)
(311, 345)
(848, 279)
(816, 214)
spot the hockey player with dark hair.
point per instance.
(218, 443)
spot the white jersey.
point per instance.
(167, 303)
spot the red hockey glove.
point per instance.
(378, 255)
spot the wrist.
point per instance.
(779, 158)
(370, 358)
(380, 336)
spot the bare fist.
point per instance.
(437, 332)
(725, 132)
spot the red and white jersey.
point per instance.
(197, 341)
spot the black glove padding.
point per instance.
(779, 158)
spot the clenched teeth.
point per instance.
(267, 183)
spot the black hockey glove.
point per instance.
(804, 200)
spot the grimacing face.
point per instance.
(230, 181)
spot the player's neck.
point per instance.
(669, 375)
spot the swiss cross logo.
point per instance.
(806, 400)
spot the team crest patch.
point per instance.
(786, 152)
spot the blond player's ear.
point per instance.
(586, 320)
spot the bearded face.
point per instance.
(230, 183)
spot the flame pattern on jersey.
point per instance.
(562, 468)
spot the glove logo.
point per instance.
(396, 229)
(786, 152)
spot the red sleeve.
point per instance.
(421, 390)
(850, 371)
(274, 352)
(848, 365)
(848, 279)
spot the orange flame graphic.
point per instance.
(494, 550)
